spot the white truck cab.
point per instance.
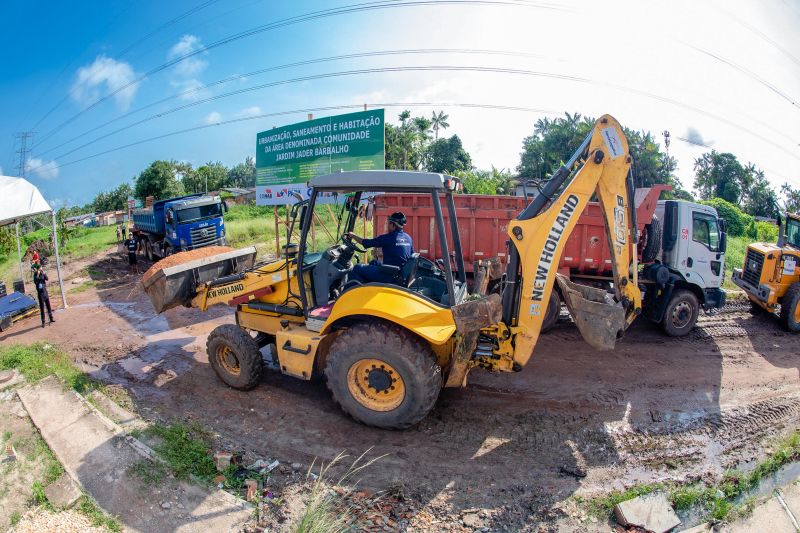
(689, 271)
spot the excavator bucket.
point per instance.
(175, 283)
(599, 318)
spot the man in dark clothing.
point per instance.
(40, 280)
(132, 246)
(124, 231)
(397, 247)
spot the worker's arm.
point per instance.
(380, 240)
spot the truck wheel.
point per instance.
(790, 308)
(552, 312)
(652, 240)
(382, 375)
(681, 313)
(234, 356)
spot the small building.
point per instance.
(87, 220)
(238, 195)
(110, 218)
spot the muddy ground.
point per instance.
(656, 408)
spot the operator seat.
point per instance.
(408, 272)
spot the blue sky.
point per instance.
(726, 74)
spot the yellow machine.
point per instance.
(386, 350)
(770, 275)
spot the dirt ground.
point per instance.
(507, 445)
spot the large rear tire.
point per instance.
(235, 357)
(382, 375)
(681, 313)
(790, 308)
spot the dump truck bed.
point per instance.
(176, 285)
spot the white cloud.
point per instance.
(190, 89)
(191, 66)
(108, 72)
(249, 112)
(212, 118)
(46, 170)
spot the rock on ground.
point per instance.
(651, 512)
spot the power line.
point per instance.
(446, 68)
(122, 53)
(312, 110)
(314, 15)
(235, 77)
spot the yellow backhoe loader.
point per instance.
(770, 275)
(387, 349)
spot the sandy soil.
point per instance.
(655, 408)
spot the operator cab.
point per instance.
(326, 272)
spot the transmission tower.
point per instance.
(23, 151)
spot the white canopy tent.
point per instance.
(20, 199)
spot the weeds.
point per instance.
(36, 449)
(150, 473)
(15, 518)
(87, 506)
(326, 511)
(184, 447)
(6, 435)
(724, 500)
(39, 360)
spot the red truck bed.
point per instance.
(483, 224)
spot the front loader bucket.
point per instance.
(599, 318)
(171, 286)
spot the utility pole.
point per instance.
(666, 141)
(24, 150)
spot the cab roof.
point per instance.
(380, 180)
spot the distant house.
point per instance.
(766, 219)
(238, 195)
(110, 218)
(87, 220)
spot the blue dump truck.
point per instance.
(179, 224)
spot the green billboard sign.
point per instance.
(289, 156)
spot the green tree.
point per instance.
(210, 177)
(158, 180)
(736, 220)
(439, 122)
(759, 199)
(791, 202)
(719, 175)
(492, 181)
(114, 200)
(447, 156)
(406, 144)
(243, 174)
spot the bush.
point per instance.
(762, 231)
(736, 220)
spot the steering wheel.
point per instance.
(351, 244)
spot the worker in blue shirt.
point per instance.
(396, 246)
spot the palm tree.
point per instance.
(403, 116)
(439, 120)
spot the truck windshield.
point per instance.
(793, 232)
(191, 214)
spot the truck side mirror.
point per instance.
(224, 206)
(723, 242)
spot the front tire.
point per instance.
(790, 308)
(382, 375)
(235, 357)
(681, 313)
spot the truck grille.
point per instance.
(753, 264)
(203, 237)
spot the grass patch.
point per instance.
(39, 497)
(96, 516)
(725, 500)
(83, 287)
(6, 435)
(327, 511)
(15, 518)
(35, 449)
(184, 447)
(39, 360)
(150, 473)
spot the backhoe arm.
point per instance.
(539, 234)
